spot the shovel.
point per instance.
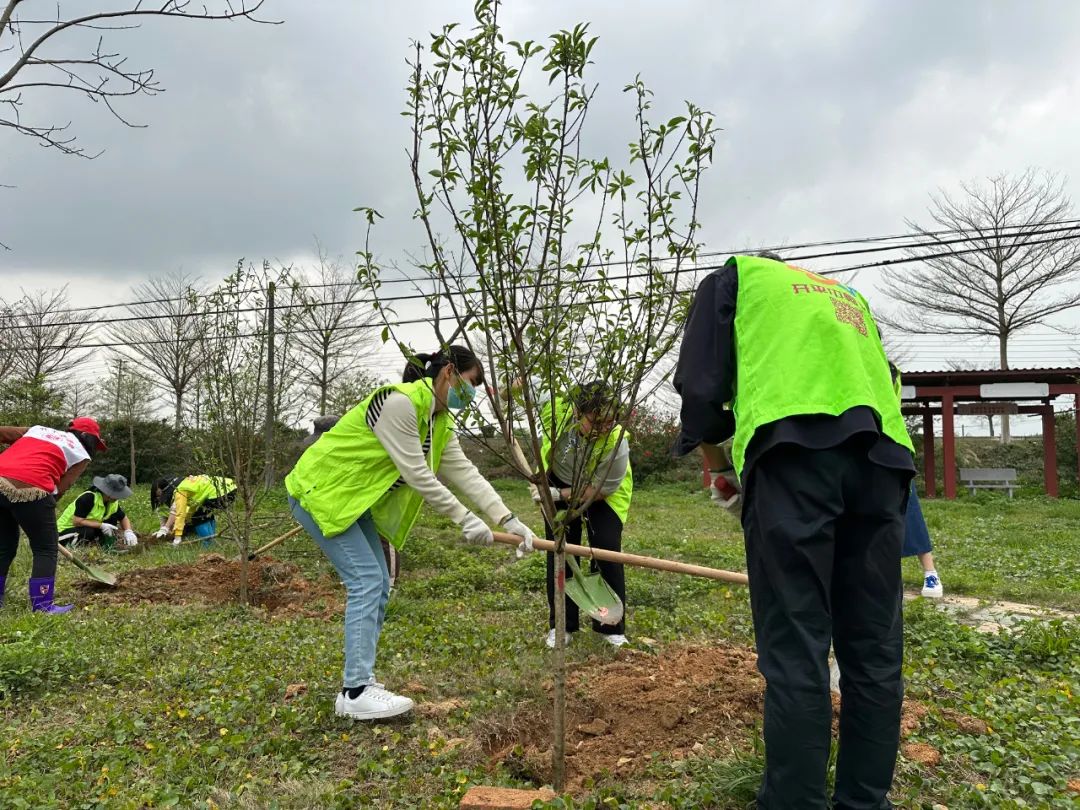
(638, 560)
(95, 574)
(589, 591)
(291, 533)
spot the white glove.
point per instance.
(130, 539)
(515, 526)
(108, 529)
(162, 532)
(556, 494)
(475, 531)
(725, 490)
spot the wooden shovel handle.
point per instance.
(638, 560)
(276, 541)
(523, 463)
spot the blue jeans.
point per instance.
(358, 558)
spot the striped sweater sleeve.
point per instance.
(397, 430)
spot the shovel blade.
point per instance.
(592, 594)
(95, 574)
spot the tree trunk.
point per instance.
(178, 413)
(131, 447)
(990, 422)
(1003, 351)
(558, 748)
(244, 526)
(322, 388)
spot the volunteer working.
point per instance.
(587, 458)
(194, 501)
(96, 515)
(40, 466)
(825, 460)
(368, 476)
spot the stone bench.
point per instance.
(988, 478)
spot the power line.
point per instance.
(1008, 232)
(649, 274)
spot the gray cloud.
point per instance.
(839, 117)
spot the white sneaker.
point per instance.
(176, 541)
(617, 640)
(932, 586)
(550, 640)
(374, 703)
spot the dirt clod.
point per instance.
(294, 690)
(495, 798)
(922, 754)
(965, 723)
(594, 728)
(911, 717)
(1073, 785)
(439, 708)
(278, 587)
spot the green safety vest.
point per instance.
(805, 344)
(563, 413)
(347, 472)
(100, 511)
(201, 488)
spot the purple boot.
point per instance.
(2, 581)
(41, 596)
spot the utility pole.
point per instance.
(119, 385)
(269, 440)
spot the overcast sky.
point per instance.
(838, 117)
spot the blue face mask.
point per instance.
(460, 396)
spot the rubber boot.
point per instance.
(3, 579)
(41, 596)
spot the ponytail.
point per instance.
(429, 365)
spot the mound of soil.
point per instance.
(619, 713)
(277, 586)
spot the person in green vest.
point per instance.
(96, 515)
(587, 458)
(825, 461)
(194, 500)
(368, 476)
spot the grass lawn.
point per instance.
(184, 705)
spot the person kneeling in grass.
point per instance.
(194, 501)
(96, 516)
(368, 476)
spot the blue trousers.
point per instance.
(357, 556)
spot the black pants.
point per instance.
(91, 534)
(823, 530)
(38, 520)
(605, 531)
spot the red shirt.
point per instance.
(41, 457)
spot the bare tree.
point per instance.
(1002, 259)
(8, 316)
(38, 43)
(127, 395)
(163, 337)
(234, 402)
(46, 338)
(333, 329)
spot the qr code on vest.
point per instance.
(848, 313)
